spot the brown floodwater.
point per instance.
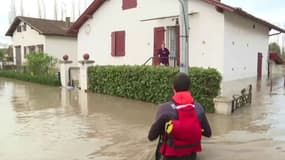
(39, 122)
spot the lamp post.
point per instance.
(184, 36)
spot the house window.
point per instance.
(24, 27)
(128, 4)
(41, 48)
(32, 49)
(118, 43)
(19, 29)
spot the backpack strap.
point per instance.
(173, 105)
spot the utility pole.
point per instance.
(184, 36)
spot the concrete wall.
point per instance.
(57, 46)
(243, 40)
(206, 36)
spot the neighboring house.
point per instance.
(31, 35)
(121, 32)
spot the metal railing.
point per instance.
(244, 98)
(172, 60)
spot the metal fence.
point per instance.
(243, 99)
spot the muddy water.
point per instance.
(48, 123)
(45, 123)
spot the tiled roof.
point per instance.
(43, 26)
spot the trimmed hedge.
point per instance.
(47, 79)
(152, 83)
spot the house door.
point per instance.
(158, 40)
(173, 45)
(18, 55)
(259, 66)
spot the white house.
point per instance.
(41, 35)
(229, 39)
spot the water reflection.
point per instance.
(52, 123)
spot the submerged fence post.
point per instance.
(284, 82)
(64, 66)
(83, 73)
(271, 84)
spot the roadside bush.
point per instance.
(40, 64)
(40, 68)
(47, 79)
(152, 84)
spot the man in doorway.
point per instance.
(180, 124)
(163, 54)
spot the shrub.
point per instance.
(152, 84)
(46, 79)
(40, 64)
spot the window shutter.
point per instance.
(120, 43)
(128, 4)
(113, 44)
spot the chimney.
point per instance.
(67, 22)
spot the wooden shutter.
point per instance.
(120, 43)
(158, 40)
(128, 4)
(113, 44)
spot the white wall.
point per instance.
(242, 44)
(29, 37)
(109, 18)
(57, 46)
(140, 33)
(206, 36)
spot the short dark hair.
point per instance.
(181, 82)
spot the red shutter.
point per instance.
(158, 40)
(113, 43)
(128, 4)
(120, 43)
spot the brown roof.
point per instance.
(96, 4)
(43, 26)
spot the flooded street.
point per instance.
(48, 123)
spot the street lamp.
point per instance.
(184, 36)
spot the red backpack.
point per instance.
(182, 135)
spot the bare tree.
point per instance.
(22, 8)
(79, 9)
(73, 10)
(12, 13)
(39, 9)
(55, 10)
(63, 11)
(44, 8)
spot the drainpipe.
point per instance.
(184, 36)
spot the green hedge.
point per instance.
(47, 79)
(152, 84)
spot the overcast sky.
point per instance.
(270, 10)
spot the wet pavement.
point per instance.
(48, 123)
